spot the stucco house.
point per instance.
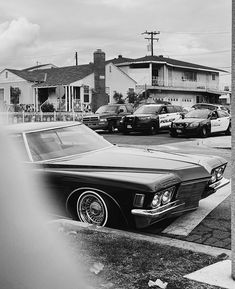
(73, 88)
(176, 81)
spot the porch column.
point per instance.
(82, 97)
(69, 98)
(72, 98)
(165, 75)
(36, 99)
(151, 73)
(66, 97)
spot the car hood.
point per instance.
(140, 115)
(189, 120)
(128, 159)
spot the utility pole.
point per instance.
(76, 58)
(151, 38)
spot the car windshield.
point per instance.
(151, 109)
(63, 142)
(198, 113)
(106, 109)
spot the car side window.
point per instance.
(170, 109)
(213, 115)
(178, 108)
(222, 113)
(163, 110)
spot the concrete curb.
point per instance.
(198, 248)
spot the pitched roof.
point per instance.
(174, 62)
(40, 66)
(55, 76)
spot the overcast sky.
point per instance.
(50, 31)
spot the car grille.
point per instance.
(180, 125)
(90, 119)
(130, 120)
(190, 193)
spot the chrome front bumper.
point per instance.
(218, 185)
(145, 218)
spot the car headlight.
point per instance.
(217, 173)
(103, 119)
(213, 177)
(144, 117)
(156, 202)
(194, 124)
(167, 196)
(163, 197)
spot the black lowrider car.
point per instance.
(202, 122)
(99, 183)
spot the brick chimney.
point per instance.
(99, 96)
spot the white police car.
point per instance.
(202, 122)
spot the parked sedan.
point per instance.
(150, 118)
(202, 122)
(212, 106)
(96, 182)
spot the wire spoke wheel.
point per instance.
(92, 209)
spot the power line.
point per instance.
(197, 32)
(204, 53)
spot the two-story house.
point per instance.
(172, 80)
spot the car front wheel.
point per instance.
(111, 127)
(153, 128)
(92, 209)
(204, 132)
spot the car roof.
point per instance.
(208, 104)
(35, 126)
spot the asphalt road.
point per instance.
(214, 229)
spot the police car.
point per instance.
(202, 122)
(150, 118)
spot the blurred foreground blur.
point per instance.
(31, 256)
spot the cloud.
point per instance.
(17, 36)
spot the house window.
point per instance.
(86, 94)
(15, 93)
(189, 76)
(213, 76)
(6, 74)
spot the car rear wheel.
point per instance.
(204, 132)
(173, 134)
(153, 128)
(228, 131)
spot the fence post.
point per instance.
(23, 116)
(54, 115)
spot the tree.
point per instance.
(118, 97)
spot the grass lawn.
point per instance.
(127, 263)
